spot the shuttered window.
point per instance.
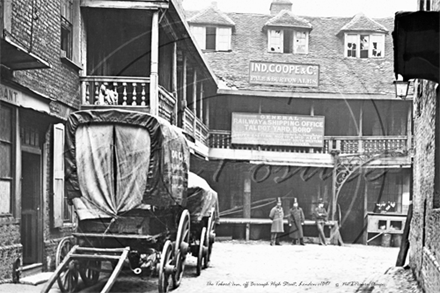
(212, 38)
(223, 39)
(5, 159)
(60, 208)
(200, 35)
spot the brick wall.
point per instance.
(40, 32)
(36, 26)
(424, 233)
(10, 247)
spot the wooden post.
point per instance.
(247, 200)
(174, 83)
(207, 113)
(184, 88)
(408, 130)
(334, 181)
(360, 141)
(365, 234)
(154, 82)
(201, 102)
(194, 105)
(335, 236)
(404, 245)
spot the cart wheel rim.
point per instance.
(166, 260)
(68, 278)
(179, 268)
(200, 255)
(183, 232)
(63, 249)
(210, 237)
(89, 271)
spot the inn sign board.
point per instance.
(277, 129)
(286, 74)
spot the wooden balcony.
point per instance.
(220, 139)
(194, 126)
(132, 92)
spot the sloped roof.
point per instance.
(338, 74)
(360, 22)
(211, 15)
(286, 18)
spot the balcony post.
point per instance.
(174, 84)
(154, 83)
(408, 130)
(194, 98)
(207, 113)
(201, 102)
(247, 200)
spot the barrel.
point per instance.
(396, 240)
(386, 240)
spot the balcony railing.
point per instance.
(132, 92)
(194, 126)
(345, 144)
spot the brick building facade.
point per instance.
(55, 58)
(424, 238)
(39, 88)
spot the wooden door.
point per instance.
(30, 206)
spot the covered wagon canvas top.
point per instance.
(201, 198)
(118, 160)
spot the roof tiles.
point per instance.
(287, 19)
(338, 74)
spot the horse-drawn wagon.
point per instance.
(127, 178)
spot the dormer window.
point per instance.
(212, 38)
(288, 41)
(364, 45)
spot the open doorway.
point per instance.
(31, 207)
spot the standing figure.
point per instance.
(277, 216)
(296, 221)
(321, 218)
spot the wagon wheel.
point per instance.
(63, 249)
(210, 236)
(181, 247)
(166, 268)
(203, 249)
(89, 271)
(68, 278)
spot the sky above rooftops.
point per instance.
(342, 8)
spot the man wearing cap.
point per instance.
(296, 221)
(321, 217)
(277, 216)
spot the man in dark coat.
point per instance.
(296, 221)
(321, 217)
(277, 216)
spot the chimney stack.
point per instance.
(277, 5)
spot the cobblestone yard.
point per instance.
(251, 267)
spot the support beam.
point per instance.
(183, 101)
(115, 4)
(207, 113)
(247, 200)
(154, 79)
(174, 83)
(201, 102)
(194, 98)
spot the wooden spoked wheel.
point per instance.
(201, 256)
(68, 278)
(166, 268)
(210, 236)
(181, 247)
(89, 271)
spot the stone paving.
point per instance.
(257, 267)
